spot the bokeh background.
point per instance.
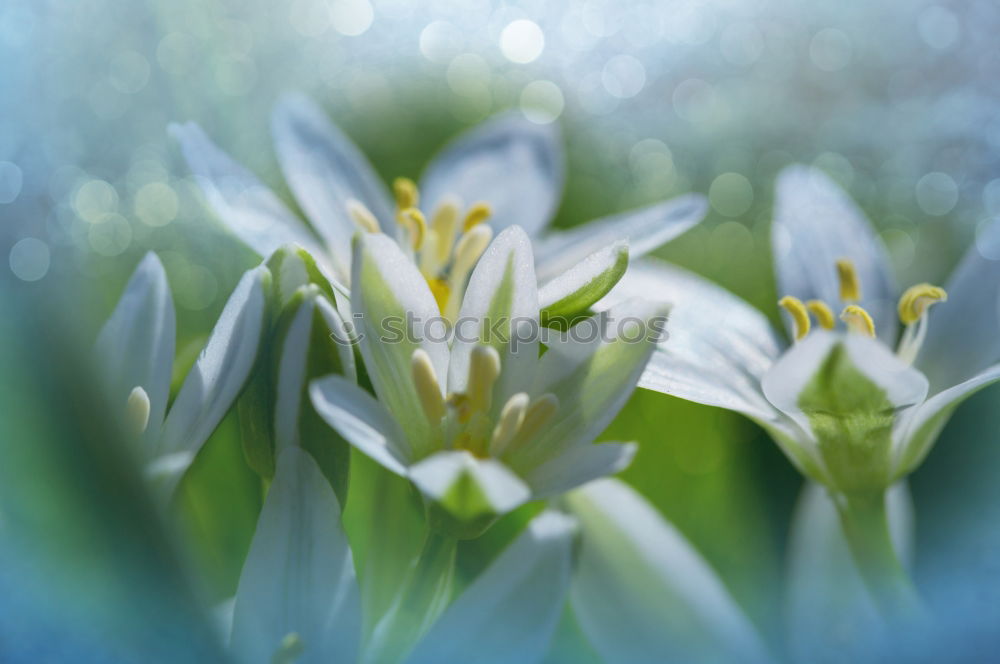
(897, 100)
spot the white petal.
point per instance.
(243, 203)
(826, 597)
(222, 368)
(299, 574)
(645, 229)
(514, 165)
(511, 610)
(468, 487)
(387, 292)
(340, 335)
(325, 170)
(963, 336)
(815, 224)
(641, 592)
(136, 345)
(293, 356)
(921, 425)
(500, 309)
(578, 465)
(583, 284)
(362, 421)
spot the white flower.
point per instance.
(483, 424)
(508, 170)
(298, 597)
(851, 408)
(136, 352)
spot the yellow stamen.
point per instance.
(858, 320)
(444, 222)
(362, 216)
(426, 383)
(511, 419)
(413, 220)
(850, 285)
(407, 194)
(470, 247)
(917, 300)
(539, 413)
(440, 291)
(477, 214)
(823, 314)
(484, 369)
(800, 317)
(137, 411)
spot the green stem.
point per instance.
(865, 523)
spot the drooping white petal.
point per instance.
(578, 465)
(512, 164)
(136, 345)
(362, 421)
(299, 577)
(221, 369)
(583, 284)
(718, 347)
(395, 314)
(500, 309)
(641, 592)
(963, 336)
(815, 224)
(325, 170)
(243, 203)
(510, 611)
(828, 605)
(468, 487)
(919, 428)
(645, 229)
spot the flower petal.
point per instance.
(387, 294)
(136, 344)
(963, 335)
(815, 224)
(243, 203)
(645, 229)
(577, 466)
(826, 597)
(325, 170)
(299, 574)
(361, 420)
(641, 592)
(510, 612)
(512, 164)
(500, 309)
(582, 285)
(467, 488)
(221, 369)
(921, 425)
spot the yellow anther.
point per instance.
(426, 383)
(511, 418)
(470, 247)
(850, 285)
(443, 223)
(484, 369)
(362, 216)
(290, 649)
(800, 316)
(414, 222)
(917, 299)
(477, 214)
(440, 291)
(137, 411)
(858, 320)
(539, 413)
(407, 194)
(823, 313)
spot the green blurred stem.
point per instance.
(864, 519)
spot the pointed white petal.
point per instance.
(815, 224)
(583, 284)
(222, 368)
(578, 465)
(243, 203)
(641, 592)
(920, 427)
(136, 345)
(299, 574)
(510, 611)
(826, 597)
(325, 170)
(645, 229)
(500, 309)
(340, 335)
(388, 293)
(514, 165)
(467, 487)
(362, 421)
(293, 356)
(963, 336)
